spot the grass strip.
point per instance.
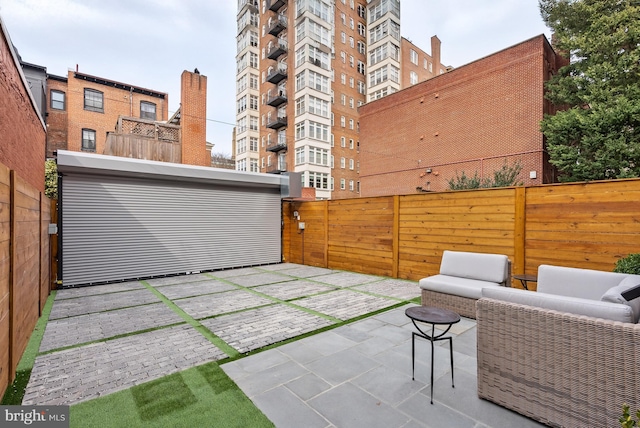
(202, 396)
(221, 344)
(15, 392)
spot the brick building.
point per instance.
(472, 119)
(94, 114)
(22, 129)
(303, 69)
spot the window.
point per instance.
(361, 47)
(343, 142)
(342, 184)
(343, 37)
(352, 42)
(362, 12)
(57, 100)
(253, 144)
(351, 165)
(253, 102)
(318, 180)
(342, 163)
(93, 100)
(352, 82)
(88, 140)
(318, 156)
(343, 79)
(362, 30)
(413, 76)
(300, 155)
(351, 143)
(351, 185)
(254, 165)
(362, 87)
(351, 123)
(361, 67)
(147, 110)
(425, 64)
(343, 121)
(414, 57)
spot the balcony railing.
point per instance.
(276, 50)
(278, 122)
(277, 169)
(278, 146)
(277, 74)
(277, 25)
(275, 5)
(278, 99)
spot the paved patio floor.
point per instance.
(106, 338)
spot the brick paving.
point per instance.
(79, 374)
(220, 303)
(87, 328)
(99, 303)
(241, 318)
(293, 289)
(257, 328)
(344, 304)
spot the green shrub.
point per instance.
(629, 264)
(626, 421)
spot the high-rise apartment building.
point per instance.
(303, 69)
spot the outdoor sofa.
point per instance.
(567, 355)
(462, 277)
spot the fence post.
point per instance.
(326, 233)
(519, 232)
(396, 236)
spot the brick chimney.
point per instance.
(193, 119)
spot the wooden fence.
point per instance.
(585, 225)
(24, 267)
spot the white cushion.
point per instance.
(480, 266)
(574, 282)
(614, 295)
(574, 305)
(464, 287)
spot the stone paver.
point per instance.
(344, 304)
(178, 279)
(254, 329)
(259, 279)
(400, 289)
(280, 267)
(71, 293)
(178, 291)
(302, 271)
(220, 303)
(99, 303)
(90, 371)
(346, 279)
(293, 289)
(87, 328)
(234, 272)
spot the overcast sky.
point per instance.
(149, 43)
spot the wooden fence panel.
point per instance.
(360, 235)
(583, 225)
(5, 264)
(307, 247)
(481, 221)
(25, 263)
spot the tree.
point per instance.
(51, 179)
(596, 135)
(504, 177)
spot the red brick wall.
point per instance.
(193, 119)
(406, 66)
(56, 119)
(22, 133)
(116, 102)
(470, 119)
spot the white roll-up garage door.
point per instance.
(127, 225)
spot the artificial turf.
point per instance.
(202, 396)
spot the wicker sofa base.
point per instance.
(464, 306)
(558, 368)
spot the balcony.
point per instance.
(251, 5)
(277, 169)
(277, 74)
(275, 5)
(276, 50)
(277, 25)
(278, 122)
(278, 99)
(277, 146)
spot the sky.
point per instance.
(148, 43)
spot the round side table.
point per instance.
(433, 316)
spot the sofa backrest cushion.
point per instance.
(480, 266)
(574, 282)
(614, 294)
(572, 305)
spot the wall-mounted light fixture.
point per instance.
(428, 170)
